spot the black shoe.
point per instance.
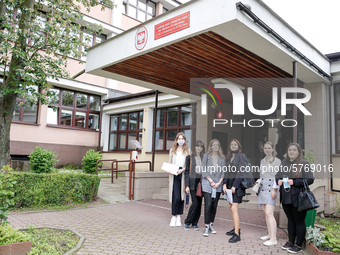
(287, 246)
(295, 249)
(231, 232)
(235, 238)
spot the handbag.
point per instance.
(199, 192)
(247, 180)
(256, 186)
(307, 200)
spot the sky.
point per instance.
(318, 21)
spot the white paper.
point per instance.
(170, 168)
(229, 196)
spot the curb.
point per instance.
(77, 247)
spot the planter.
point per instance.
(16, 248)
(310, 249)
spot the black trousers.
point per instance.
(195, 209)
(296, 223)
(210, 207)
(177, 202)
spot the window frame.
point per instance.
(178, 127)
(336, 118)
(127, 131)
(74, 110)
(127, 2)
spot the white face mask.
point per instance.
(181, 142)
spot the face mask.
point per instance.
(181, 142)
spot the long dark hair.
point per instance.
(239, 151)
(299, 159)
(201, 144)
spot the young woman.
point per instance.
(177, 156)
(212, 176)
(192, 178)
(235, 159)
(294, 171)
(267, 191)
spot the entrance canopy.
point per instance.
(205, 39)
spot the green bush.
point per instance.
(57, 189)
(8, 235)
(6, 195)
(42, 161)
(89, 161)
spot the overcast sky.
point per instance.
(318, 21)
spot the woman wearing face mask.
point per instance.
(192, 178)
(294, 171)
(267, 191)
(235, 160)
(177, 156)
(212, 176)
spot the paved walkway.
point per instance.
(142, 227)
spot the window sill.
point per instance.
(158, 152)
(336, 155)
(25, 123)
(72, 128)
(121, 151)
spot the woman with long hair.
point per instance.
(177, 156)
(212, 176)
(235, 160)
(192, 178)
(294, 172)
(267, 191)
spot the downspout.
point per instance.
(330, 132)
(154, 132)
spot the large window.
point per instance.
(141, 10)
(172, 120)
(337, 117)
(123, 128)
(74, 109)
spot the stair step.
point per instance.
(160, 196)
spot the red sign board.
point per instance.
(172, 25)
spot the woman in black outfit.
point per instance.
(235, 159)
(192, 178)
(291, 178)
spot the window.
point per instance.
(337, 117)
(74, 109)
(172, 120)
(123, 128)
(23, 111)
(141, 10)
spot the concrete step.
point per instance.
(164, 191)
(160, 196)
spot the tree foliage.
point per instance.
(36, 39)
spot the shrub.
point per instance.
(89, 161)
(57, 189)
(314, 236)
(8, 235)
(42, 161)
(6, 195)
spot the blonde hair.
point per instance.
(185, 146)
(210, 151)
(273, 153)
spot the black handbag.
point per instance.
(307, 200)
(247, 180)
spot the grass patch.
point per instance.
(51, 241)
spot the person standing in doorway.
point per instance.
(212, 177)
(192, 179)
(177, 156)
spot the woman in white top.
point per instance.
(177, 156)
(267, 191)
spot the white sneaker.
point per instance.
(268, 243)
(173, 221)
(265, 238)
(178, 221)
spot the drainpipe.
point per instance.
(154, 133)
(294, 106)
(330, 132)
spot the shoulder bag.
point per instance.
(307, 200)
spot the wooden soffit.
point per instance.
(207, 55)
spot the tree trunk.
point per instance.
(7, 101)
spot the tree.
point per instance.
(34, 47)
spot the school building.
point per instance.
(159, 54)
